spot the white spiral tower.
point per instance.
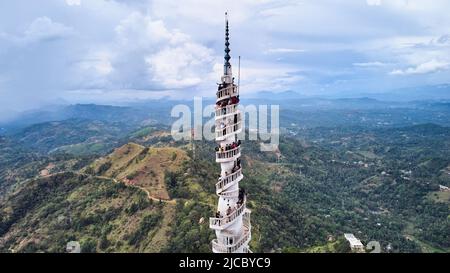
(232, 220)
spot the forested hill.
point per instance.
(132, 188)
(303, 201)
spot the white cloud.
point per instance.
(441, 41)
(373, 2)
(284, 50)
(369, 64)
(73, 2)
(43, 28)
(138, 31)
(99, 62)
(168, 47)
(210, 12)
(257, 76)
(424, 68)
(172, 59)
(112, 96)
(180, 66)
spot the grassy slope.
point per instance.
(94, 207)
(141, 166)
(100, 214)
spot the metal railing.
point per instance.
(244, 240)
(228, 180)
(230, 129)
(236, 118)
(226, 110)
(229, 194)
(221, 223)
(227, 92)
(228, 154)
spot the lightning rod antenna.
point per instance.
(239, 74)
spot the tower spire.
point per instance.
(227, 57)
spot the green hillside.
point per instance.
(151, 194)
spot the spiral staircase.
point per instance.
(232, 222)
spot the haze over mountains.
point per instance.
(134, 111)
(430, 92)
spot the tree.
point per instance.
(88, 245)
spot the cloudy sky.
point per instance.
(108, 51)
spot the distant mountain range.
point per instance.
(430, 92)
(136, 115)
(139, 113)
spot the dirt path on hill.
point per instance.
(149, 196)
(171, 201)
